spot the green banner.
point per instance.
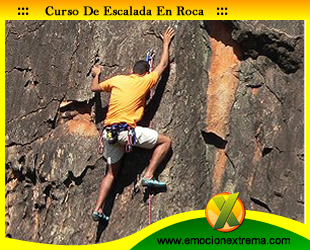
(198, 234)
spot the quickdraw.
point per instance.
(150, 58)
(131, 139)
(150, 55)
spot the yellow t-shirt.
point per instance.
(128, 94)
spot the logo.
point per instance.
(225, 212)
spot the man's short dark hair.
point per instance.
(141, 67)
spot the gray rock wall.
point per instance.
(232, 102)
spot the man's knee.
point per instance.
(163, 139)
(168, 141)
(113, 170)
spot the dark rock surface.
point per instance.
(245, 136)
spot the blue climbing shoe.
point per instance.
(96, 216)
(153, 183)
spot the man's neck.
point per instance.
(140, 75)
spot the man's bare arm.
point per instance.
(96, 70)
(164, 59)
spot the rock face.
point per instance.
(255, 111)
(232, 102)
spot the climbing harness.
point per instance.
(112, 132)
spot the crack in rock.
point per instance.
(213, 139)
(261, 203)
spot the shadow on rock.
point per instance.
(102, 225)
(154, 103)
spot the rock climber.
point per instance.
(126, 108)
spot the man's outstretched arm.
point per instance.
(164, 59)
(96, 70)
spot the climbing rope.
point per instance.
(101, 143)
(150, 55)
(150, 59)
(150, 208)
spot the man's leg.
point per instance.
(106, 185)
(161, 149)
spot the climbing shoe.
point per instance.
(96, 216)
(153, 183)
